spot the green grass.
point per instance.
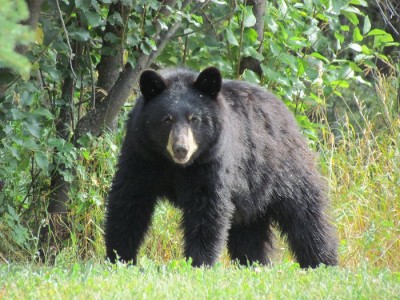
(177, 280)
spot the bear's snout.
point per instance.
(180, 150)
(181, 144)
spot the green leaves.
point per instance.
(42, 161)
(249, 20)
(355, 47)
(377, 32)
(231, 37)
(83, 4)
(250, 51)
(12, 33)
(351, 16)
(79, 34)
(367, 25)
(147, 46)
(320, 56)
(350, 12)
(357, 36)
(250, 76)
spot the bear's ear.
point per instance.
(151, 84)
(209, 82)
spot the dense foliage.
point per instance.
(61, 126)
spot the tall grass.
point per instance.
(365, 190)
(364, 174)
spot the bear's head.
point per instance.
(181, 112)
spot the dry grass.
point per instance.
(364, 174)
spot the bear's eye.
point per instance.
(194, 119)
(168, 119)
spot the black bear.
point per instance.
(231, 157)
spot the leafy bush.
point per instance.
(13, 33)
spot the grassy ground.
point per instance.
(177, 280)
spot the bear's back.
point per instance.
(261, 111)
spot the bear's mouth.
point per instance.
(181, 161)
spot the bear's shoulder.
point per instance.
(250, 97)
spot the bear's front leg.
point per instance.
(130, 207)
(127, 221)
(206, 221)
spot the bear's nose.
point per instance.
(180, 151)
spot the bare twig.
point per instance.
(240, 42)
(34, 176)
(185, 49)
(92, 84)
(71, 53)
(206, 26)
(211, 24)
(386, 18)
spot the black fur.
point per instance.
(151, 84)
(252, 169)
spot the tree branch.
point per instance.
(71, 53)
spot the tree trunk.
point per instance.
(58, 228)
(250, 62)
(110, 65)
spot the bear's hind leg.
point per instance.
(310, 236)
(249, 243)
